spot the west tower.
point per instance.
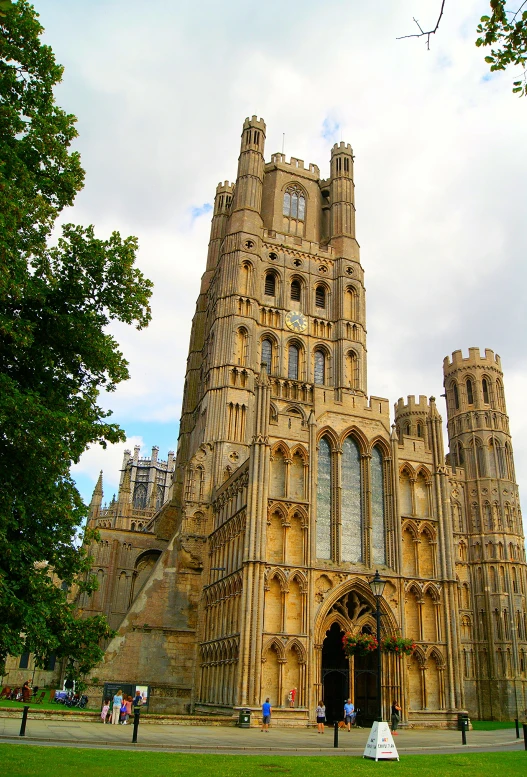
(291, 486)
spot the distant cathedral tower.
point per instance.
(291, 488)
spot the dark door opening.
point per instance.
(366, 689)
(335, 674)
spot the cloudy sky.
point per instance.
(161, 89)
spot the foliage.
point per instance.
(358, 644)
(506, 32)
(404, 647)
(56, 354)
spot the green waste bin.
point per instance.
(463, 721)
(244, 721)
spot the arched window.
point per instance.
(460, 459)
(470, 392)
(320, 368)
(295, 290)
(270, 284)
(324, 500)
(486, 392)
(456, 395)
(267, 354)
(241, 346)
(140, 492)
(292, 362)
(377, 508)
(320, 297)
(352, 513)
(419, 429)
(501, 395)
(480, 457)
(294, 209)
(352, 370)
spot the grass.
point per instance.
(24, 760)
(492, 725)
(46, 705)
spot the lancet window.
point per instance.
(294, 210)
(320, 368)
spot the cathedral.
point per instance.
(232, 570)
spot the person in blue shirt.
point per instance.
(349, 713)
(116, 706)
(266, 715)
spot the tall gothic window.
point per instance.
(320, 368)
(352, 512)
(140, 493)
(486, 392)
(294, 209)
(292, 364)
(324, 500)
(470, 392)
(295, 290)
(377, 508)
(320, 297)
(456, 395)
(270, 284)
(267, 354)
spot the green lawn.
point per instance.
(493, 725)
(46, 705)
(24, 760)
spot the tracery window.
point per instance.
(140, 493)
(324, 500)
(377, 508)
(352, 508)
(320, 368)
(292, 363)
(294, 209)
(267, 354)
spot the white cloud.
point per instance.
(109, 460)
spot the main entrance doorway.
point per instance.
(365, 676)
(335, 674)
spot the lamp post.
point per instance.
(377, 587)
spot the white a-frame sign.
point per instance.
(380, 744)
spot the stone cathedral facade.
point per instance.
(292, 485)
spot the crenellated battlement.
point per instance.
(412, 406)
(342, 148)
(298, 164)
(254, 122)
(474, 359)
(226, 186)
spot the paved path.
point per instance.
(215, 739)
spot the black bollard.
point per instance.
(525, 734)
(336, 734)
(463, 732)
(517, 724)
(24, 721)
(136, 725)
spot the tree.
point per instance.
(57, 298)
(505, 30)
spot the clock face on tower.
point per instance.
(296, 321)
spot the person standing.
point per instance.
(266, 715)
(320, 712)
(349, 713)
(138, 700)
(292, 697)
(116, 706)
(104, 711)
(396, 716)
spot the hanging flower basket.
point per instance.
(398, 645)
(359, 644)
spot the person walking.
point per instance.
(104, 711)
(116, 706)
(349, 713)
(266, 715)
(396, 716)
(320, 712)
